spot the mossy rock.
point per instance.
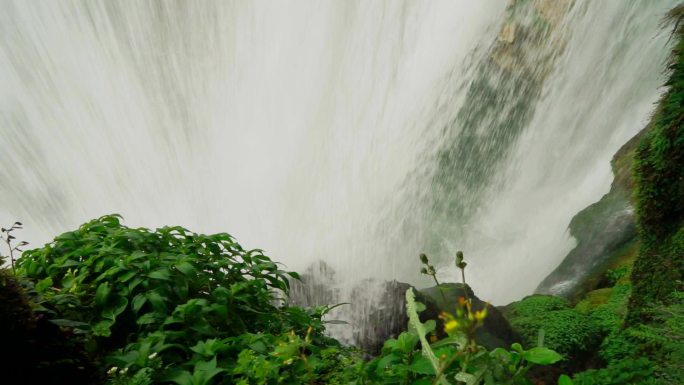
(593, 300)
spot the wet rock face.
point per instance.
(387, 319)
(601, 230)
(611, 228)
(315, 287)
(376, 310)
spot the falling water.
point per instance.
(357, 133)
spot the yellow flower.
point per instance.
(481, 314)
(450, 326)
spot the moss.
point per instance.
(538, 303)
(659, 195)
(565, 329)
(593, 300)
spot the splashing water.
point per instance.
(358, 133)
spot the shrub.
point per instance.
(565, 329)
(171, 305)
(625, 372)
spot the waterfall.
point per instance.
(353, 132)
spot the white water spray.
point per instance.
(310, 129)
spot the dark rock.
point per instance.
(315, 287)
(496, 331)
(384, 319)
(376, 310)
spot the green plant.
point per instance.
(566, 330)
(623, 372)
(659, 189)
(456, 358)
(175, 306)
(7, 237)
(618, 273)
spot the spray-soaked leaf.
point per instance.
(542, 356)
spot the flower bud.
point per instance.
(423, 258)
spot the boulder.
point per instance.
(496, 331)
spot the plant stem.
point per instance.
(439, 288)
(465, 288)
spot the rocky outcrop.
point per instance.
(601, 230)
(375, 311)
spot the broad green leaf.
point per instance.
(125, 277)
(501, 354)
(186, 268)
(390, 344)
(157, 301)
(147, 318)
(385, 362)
(205, 371)
(69, 263)
(102, 293)
(102, 328)
(44, 284)
(542, 356)
(114, 309)
(407, 342)
(565, 380)
(68, 323)
(422, 365)
(457, 340)
(468, 378)
(161, 274)
(134, 283)
(430, 326)
(126, 359)
(138, 302)
(180, 377)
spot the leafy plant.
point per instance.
(456, 358)
(7, 237)
(175, 306)
(566, 330)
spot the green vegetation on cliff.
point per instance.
(659, 177)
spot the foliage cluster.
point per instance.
(565, 329)
(654, 324)
(659, 193)
(172, 306)
(454, 359)
(175, 306)
(647, 353)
